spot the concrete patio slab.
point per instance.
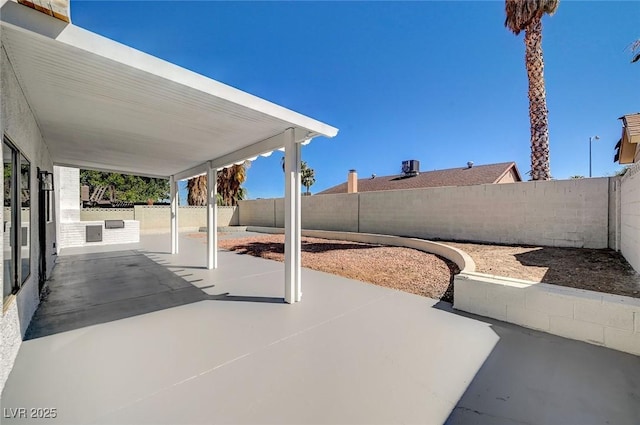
(350, 352)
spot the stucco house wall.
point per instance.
(19, 125)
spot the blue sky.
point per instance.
(443, 82)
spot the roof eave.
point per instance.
(513, 167)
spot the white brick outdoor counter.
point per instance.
(74, 234)
(612, 321)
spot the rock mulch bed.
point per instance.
(417, 272)
(404, 269)
(601, 270)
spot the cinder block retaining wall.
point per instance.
(602, 319)
(461, 258)
(156, 219)
(572, 213)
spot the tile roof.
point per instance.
(478, 174)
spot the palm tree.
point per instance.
(527, 15)
(230, 189)
(307, 176)
(197, 191)
(230, 180)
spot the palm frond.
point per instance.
(520, 13)
(635, 50)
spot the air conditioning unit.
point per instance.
(411, 167)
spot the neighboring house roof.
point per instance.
(628, 144)
(478, 174)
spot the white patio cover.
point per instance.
(102, 105)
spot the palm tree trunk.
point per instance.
(197, 191)
(538, 113)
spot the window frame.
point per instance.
(15, 236)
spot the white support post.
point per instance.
(173, 187)
(297, 252)
(212, 220)
(292, 216)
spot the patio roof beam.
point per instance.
(85, 166)
(198, 170)
(259, 148)
(262, 147)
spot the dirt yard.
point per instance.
(428, 275)
(404, 269)
(601, 270)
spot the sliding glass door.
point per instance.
(16, 218)
(8, 242)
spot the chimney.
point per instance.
(352, 182)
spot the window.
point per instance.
(16, 218)
(25, 218)
(8, 242)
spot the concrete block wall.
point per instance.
(260, 212)
(630, 216)
(227, 216)
(98, 214)
(554, 213)
(615, 198)
(321, 213)
(279, 205)
(74, 234)
(572, 213)
(601, 319)
(155, 218)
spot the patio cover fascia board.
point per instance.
(108, 170)
(262, 148)
(238, 107)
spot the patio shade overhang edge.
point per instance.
(262, 148)
(43, 28)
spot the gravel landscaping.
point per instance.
(601, 270)
(404, 269)
(420, 273)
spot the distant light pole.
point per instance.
(592, 138)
